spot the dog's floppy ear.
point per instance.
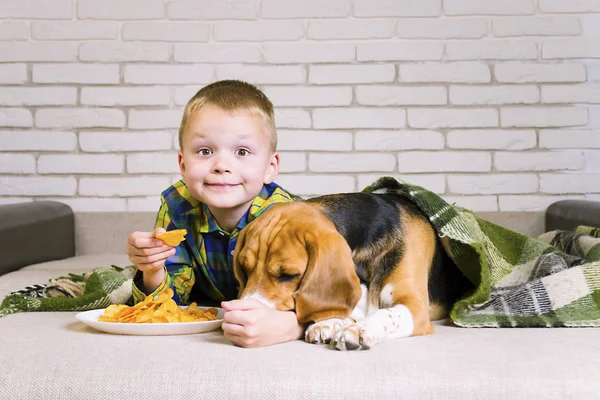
(330, 287)
(238, 271)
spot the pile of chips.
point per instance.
(172, 238)
(161, 309)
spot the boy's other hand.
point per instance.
(250, 323)
(146, 252)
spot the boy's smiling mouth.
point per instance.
(222, 186)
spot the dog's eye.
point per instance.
(287, 277)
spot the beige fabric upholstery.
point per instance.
(53, 356)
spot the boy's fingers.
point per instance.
(241, 304)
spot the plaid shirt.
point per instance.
(202, 267)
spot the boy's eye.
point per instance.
(242, 152)
(205, 152)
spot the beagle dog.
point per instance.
(358, 268)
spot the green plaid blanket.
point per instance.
(549, 281)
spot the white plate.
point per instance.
(90, 318)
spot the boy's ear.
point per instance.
(272, 169)
(181, 164)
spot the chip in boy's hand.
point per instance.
(161, 309)
(172, 238)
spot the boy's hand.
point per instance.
(250, 323)
(146, 252)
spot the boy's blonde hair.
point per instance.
(232, 96)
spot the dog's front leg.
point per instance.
(382, 325)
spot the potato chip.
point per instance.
(172, 238)
(157, 310)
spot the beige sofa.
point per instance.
(53, 356)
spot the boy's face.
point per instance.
(226, 158)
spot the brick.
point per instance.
(350, 29)
(526, 73)
(585, 93)
(493, 183)
(15, 117)
(13, 74)
(542, 116)
(442, 28)
(593, 116)
(148, 163)
(17, 164)
(258, 31)
(184, 94)
(137, 204)
(15, 200)
(491, 139)
(434, 118)
(399, 140)
(433, 182)
(331, 74)
(351, 162)
(36, 9)
(571, 48)
(120, 9)
(262, 74)
(464, 72)
(292, 162)
(592, 68)
(37, 96)
(446, 161)
(397, 8)
(94, 204)
(385, 95)
(37, 186)
(501, 49)
(305, 9)
(571, 6)
(292, 118)
(123, 186)
(309, 96)
(399, 51)
(13, 30)
(307, 140)
(217, 53)
(68, 118)
(538, 161)
(474, 203)
(489, 7)
(569, 138)
(539, 26)
(569, 183)
(106, 141)
(37, 141)
(483, 95)
(37, 51)
(126, 96)
(317, 185)
(154, 119)
(592, 160)
(168, 74)
(74, 30)
(308, 52)
(167, 31)
(80, 164)
(530, 203)
(589, 24)
(118, 52)
(76, 73)
(212, 10)
(357, 117)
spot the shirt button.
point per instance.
(221, 233)
(231, 252)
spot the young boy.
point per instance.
(228, 162)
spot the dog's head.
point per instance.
(293, 258)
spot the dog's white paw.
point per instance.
(322, 331)
(353, 337)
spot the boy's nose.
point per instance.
(221, 165)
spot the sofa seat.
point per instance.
(53, 356)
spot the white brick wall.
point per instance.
(494, 105)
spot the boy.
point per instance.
(228, 163)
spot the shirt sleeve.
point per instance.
(179, 268)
